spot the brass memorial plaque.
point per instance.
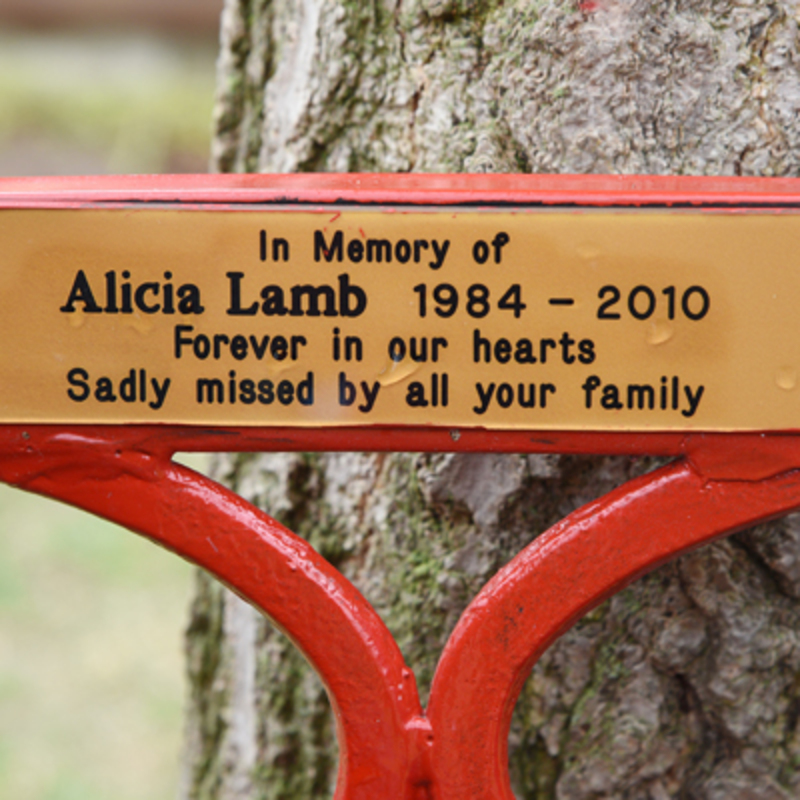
(602, 319)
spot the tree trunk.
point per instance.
(687, 684)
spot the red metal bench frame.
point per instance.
(390, 747)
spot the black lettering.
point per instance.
(160, 391)
(127, 388)
(502, 351)
(543, 345)
(235, 308)
(201, 346)
(415, 396)
(481, 347)
(378, 249)
(402, 251)
(323, 250)
(353, 348)
(285, 393)
(169, 301)
(397, 349)
(104, 391)
(279, 348)
(219, 340)
(523, 353)
(543, 391)
(438, 342)
(305, 390)
(111, 293)
(141, 303)
(693, 399)
(239, 347)
(247, 392)
(418, 352)
(259, 348)
(125, 291)
(210, 390)
(610, 399)
(370, 396)
(498, 243)
(266, 392)
(347, 391)
(480, 251)
(273, 305)
(505, 395)
(77, 377)
(180, 340)
(81, 292)
(348, 292)
(337, 345)
(313, 293)
(641, 394)
(280, 249)
(589, 387)
(484, 397)
(440, 253)
(355, 250)
(530, 401)
(586, 350)
(189, 299)
(566, 342)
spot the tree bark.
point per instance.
(685, 685)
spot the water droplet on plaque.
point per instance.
(659, 332)
(396, 372)
(786, 378)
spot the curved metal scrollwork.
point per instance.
(390, 747)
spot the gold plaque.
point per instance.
(612, 319)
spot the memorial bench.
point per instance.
(522, 314)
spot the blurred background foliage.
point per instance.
(91, 686)
(99, 86)
(91, 669)
(89, 103)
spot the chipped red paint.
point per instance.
(389, 746)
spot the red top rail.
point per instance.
(415, 189)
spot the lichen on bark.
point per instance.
(685, 685)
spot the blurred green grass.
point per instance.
(100, 102)
(91, 668)
(90, 657)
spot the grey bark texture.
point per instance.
(685, 685)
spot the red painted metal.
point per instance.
(373, 693)
(563, 574)
(390, 747)
(412, 189)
